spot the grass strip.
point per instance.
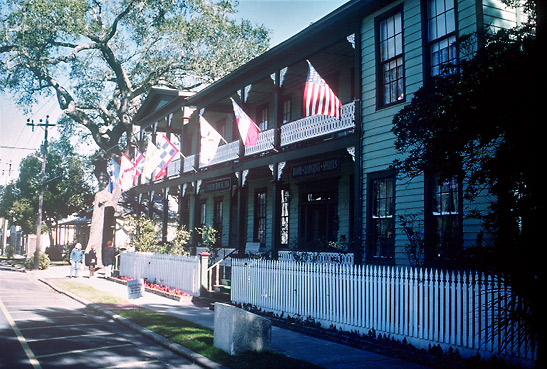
(88, 292)
(200, 340)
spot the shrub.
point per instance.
(43, 262)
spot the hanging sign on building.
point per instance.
(218, 185)
(316, 167)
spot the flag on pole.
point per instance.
(127, 173)
(318, 96)
(210, 139)
(139, 166)
(247, 128)
(168, 151)
(113, 175)
(151, 161)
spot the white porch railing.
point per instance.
(318, 125)
(176, 271)
(265, 143)
(224, 153)
(189, 162)
(315, 257)
(173, 169)
(299, 130)
(425, 306)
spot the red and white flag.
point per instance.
(318, 96)
(247, 128)
(168, 151)
(127, 173)
(139, 166)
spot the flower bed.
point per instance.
(158, 289)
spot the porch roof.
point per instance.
(340, 23)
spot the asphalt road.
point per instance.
(40, 328)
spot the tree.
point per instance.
(101, 58)
(66, 190)
(481, 124)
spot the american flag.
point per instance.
(318, 96)
(168, 153)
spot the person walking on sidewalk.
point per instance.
(76, 257)
(91, 259)
(108, 259)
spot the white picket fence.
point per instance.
(462, 310)
(175, 271)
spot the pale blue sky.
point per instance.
(283, 18)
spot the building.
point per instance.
(317, 183)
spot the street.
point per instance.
(40, 328)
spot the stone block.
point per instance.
(238, 331)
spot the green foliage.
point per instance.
(182, 237)
(66, 190)
(43, 262)
(412, 227)
(144, 234)
(10, 251)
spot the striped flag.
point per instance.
(127, 173)
(247, 128)
(168, 151)
(139, 166)
(318, 96)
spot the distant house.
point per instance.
(318, 183)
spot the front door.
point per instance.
(318, 218)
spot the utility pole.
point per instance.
(46, 125)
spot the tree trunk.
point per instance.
(102, 200)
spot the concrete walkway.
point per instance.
(321, 352)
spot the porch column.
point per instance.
(357, 225)
(276, 190)
(165, 218)
(241, 235)
(151, 204)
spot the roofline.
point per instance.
(179, 98)
(343, 21)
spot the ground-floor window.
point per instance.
(445, 226)
(260, 213)
(285, 196)
(217, 220)
(381, 235)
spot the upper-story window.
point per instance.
(441, 26)
(262, 117)
(390, 68)
(287, 110)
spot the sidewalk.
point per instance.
(324, 353)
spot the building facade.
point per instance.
(318, 183)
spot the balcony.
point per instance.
(297, 131)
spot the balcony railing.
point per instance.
(296, 131)
(317, 125)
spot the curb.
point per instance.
(175, 347)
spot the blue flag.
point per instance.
(113, 175)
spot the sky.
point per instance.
(283, 18)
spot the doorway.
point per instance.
(318, 216)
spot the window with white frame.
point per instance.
(390, 75)
(441, 29)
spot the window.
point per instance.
(221, 129)
(262, 117)
(260, 217)
(390, 73)
(286, 110)
(217, 220)
(285, 196)
(202, 213)
(445, 216)
(382, 221)
(441, 26)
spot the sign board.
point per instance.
(317, 167)
(218, 185)
(135, 288)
